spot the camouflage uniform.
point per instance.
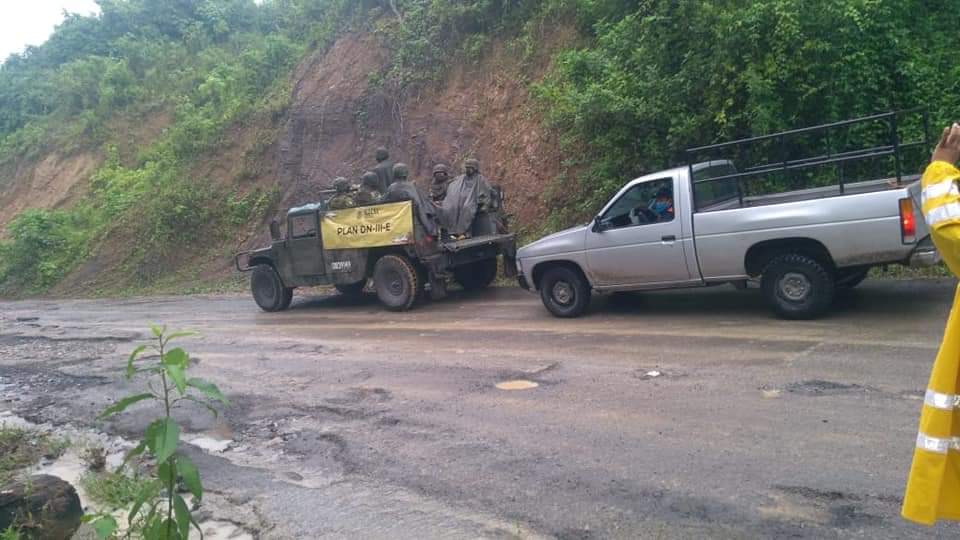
(369, 192)
(438, 186)
(343, 198)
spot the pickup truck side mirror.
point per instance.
(598, 225)
(274, 230)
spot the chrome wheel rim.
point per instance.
(794, 286)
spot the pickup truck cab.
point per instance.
(801, 244)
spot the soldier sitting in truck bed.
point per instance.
(343, 198)
(369, 192)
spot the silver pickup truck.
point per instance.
(695, 226)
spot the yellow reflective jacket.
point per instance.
(933, 488)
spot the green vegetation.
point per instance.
(157, 511)
(662, 76)
(21, 448)
(113, 490)
(211, 63)
(647, 80)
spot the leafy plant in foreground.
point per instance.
(158, 511)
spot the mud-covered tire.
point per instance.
(850, 279)
(477, 275)
(797, 286)
(268, 290)
(564, 292)
(397, 282)
(351, 290)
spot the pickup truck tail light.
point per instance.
(908, 224)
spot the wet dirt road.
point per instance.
(688, 414)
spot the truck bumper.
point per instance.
(925, 254)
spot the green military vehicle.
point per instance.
(389, 243)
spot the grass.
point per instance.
(10, 534)
(112, 489)
(20, 448)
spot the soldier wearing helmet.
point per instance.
(467, 195)
(383, 169)
(369, 192)
(342, 198)
(439, 183)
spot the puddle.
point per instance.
(210, 444)
(517, 385)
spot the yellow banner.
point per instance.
(368, 226)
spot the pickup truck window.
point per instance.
(707, 194)
(649, 202)
(303, 226)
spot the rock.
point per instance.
(42, 506)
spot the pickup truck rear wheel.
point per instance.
(797, 286)
(564, 292)
(477, 275)
(268, 290)
(397, 282)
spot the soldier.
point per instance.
(384, 169)
(466, 195)
(403, 189)
(438, 186)
(343, 198)
(369, 192)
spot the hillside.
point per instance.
(141, 147)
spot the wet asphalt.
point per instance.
(687, 414)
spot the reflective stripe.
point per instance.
(943, 213)
(941, 189)
(937, 400)
(940, 446)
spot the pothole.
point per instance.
(517, 385)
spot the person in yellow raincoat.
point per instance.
(933, 488)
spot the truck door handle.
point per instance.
(668, 238)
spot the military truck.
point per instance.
(388, 243)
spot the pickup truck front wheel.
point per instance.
(797, 286)
(268, 290)
(397, 282)
(564, 292)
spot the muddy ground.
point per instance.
(688, 414)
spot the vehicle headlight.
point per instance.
(519, 267)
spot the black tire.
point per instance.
(850, 279)
(397, 282)
(268, 290)
(351, 290)
(564, 292)
(797, 286)
(477, 275)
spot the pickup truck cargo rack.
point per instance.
(889, 124)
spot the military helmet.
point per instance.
(382, 153)
(401, 171)
(472, 163)
(370, 179)
(341, 184)
(440, 167)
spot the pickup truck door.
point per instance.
(635, 241)
(305, 249)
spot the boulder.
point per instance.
(40, 506)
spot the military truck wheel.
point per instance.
(564, 292)
(396, 281)
(477, 275)
(351, 289)
(797, 286)
(268, 290)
